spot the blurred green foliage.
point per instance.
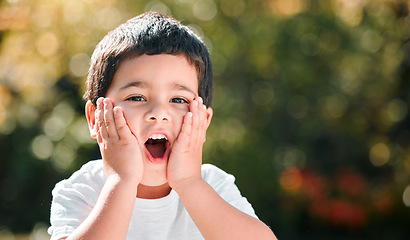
(311, 107)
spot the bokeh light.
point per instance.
(204, 10)
(298, 107)
(262, 93)
(288, 8)
(79, 64)
(42, 147)
(291, 179)
(379, 154)
(233, 8)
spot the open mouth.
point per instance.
(157, 145)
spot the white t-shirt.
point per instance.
(163, 218)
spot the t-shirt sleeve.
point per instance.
(73, 200)
(224, 184)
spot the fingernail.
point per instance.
(116, 110)
(100, 101)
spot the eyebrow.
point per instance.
(137, 84)
(184, 88)
(141, 84)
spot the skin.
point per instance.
(154, 93)
(157, 95)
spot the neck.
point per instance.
(153, 192)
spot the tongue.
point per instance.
(156, 149)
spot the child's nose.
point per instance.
(158, 113)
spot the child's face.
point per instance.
(154, 92)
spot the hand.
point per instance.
(186, 156)
(118, 145)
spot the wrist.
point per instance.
(123, 181)
(186, 184)
(123, 176)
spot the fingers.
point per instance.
(184, 137)
(100, 125)
(110, 121)
(203, 125)
(195, 120)
(198, 122)
(121, 125)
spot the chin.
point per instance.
(154, 174)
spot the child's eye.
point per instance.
(136, 99)
(179, 100)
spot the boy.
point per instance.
(149, 94)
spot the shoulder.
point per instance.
(88, 179)
(215, 176)
(91, 171)
(224, 184)
(212, 170)
(74, 198)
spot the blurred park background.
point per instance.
(311, 108)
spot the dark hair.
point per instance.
(150, 33)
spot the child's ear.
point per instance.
(209, 114)
(90, 115)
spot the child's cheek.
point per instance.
(181, 110)
(181, 120)
(128, 116)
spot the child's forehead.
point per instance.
(153, 61)
(145, 71)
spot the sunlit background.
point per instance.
(311, 108)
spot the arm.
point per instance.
(214, 217)
(111, 215)
(217, 219)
